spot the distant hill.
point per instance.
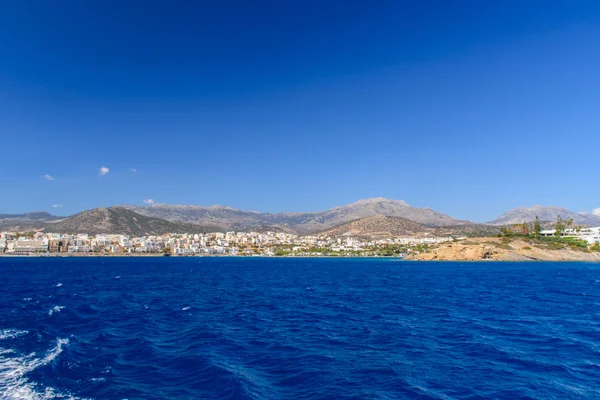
(386, 227)
(123, 221)
(299, 222)
(27, 221)
(471, 229)
(528, 214)
(348, 218)
(377, 206)
(380, 226)
(226, 218)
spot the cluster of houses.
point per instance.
(230, 243)
(590, 235)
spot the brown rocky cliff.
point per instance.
(477, 249)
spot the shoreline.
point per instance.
(83, 255)
(411, 258)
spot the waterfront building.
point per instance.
(29, 246)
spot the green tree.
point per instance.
(559, 226)
(281, 252)
(537, 227)
(568, 223)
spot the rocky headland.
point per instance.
(500, 249)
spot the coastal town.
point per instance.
(271, 243)
(208, 244)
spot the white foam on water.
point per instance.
(185, 308)
(11, 333)
(27, 299)
(14, 383)
(55, 309)
(59, 284)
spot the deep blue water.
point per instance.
(254, 328)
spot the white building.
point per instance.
(590, 235)
(29, 246)
(84, 248)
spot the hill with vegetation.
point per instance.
(386, 227)
(380, 227)
(119, 220)
(26, 221)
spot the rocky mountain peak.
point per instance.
(544, 213)
(379, 201)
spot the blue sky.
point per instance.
(468, 107)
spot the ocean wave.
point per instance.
(367, 330)
(14, 370)
(55, 309)
(11, 333)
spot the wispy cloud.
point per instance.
(57, 205)
(148, 201)
(104, 171)
(48, 177)
(596, 211)
(133, 169)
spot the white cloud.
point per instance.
(104, 170)
(596, 211)
(149, 201)
(133, 169)
(48, 177)
(57, 205)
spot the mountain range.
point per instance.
(21, 222)
(368, 217)
(122, 220)
(528, 214)
(300, 222)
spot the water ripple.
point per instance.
(235, 328)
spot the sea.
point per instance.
(297, 328)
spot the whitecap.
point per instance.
(11, 333)
(59, 284)
(185, 308)
(14, 383)
(27, 299)
(118, 277)
(55, 309)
